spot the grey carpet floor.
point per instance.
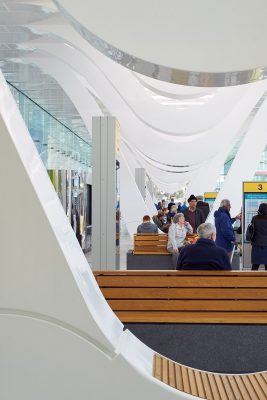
(216, 348)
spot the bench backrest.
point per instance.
(154, 243)
(186, 296)
(145, 243)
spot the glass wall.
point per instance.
(67, 158)
(58, 146)
(260, 174)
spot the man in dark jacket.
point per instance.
(203, 206)
(192, 214)
(224, 227)
(204, 255)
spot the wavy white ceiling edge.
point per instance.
(146, 123)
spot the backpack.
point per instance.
(250, 233)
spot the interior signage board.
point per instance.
(210, 197)
(254, 193)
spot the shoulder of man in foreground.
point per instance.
(224, 257)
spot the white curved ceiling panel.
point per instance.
(144, 136)
(178, 114)
(168, 41)
(186, 112)
(173, 130)
(71, 84)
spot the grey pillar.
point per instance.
(140, 179)
(104, 193)
(150, 188)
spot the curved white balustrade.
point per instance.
(59, 338)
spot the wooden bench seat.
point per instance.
(207, 385)
(154, 243)
(186, 296)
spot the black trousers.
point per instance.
(255, 267)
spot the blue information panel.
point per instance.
(254, 193)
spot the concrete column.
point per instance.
(104, 194)
(140, 179)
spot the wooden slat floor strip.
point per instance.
(209, 386)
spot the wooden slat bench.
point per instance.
(207, 385)
(150, 252)
(145, 243)
(186, 296)
(154, 243)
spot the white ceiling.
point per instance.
(171, 130)
(179, 35)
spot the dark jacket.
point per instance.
(147, 227)
(160, 224)
(224, 229)
(170, 216)
(171, 203)
(183, 208)
(260, 230)
(199, 216)
(204, 207)
(203, 255)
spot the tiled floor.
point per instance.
(126, 244)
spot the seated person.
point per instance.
(159, 221)
(147, 226)
(165, 212)
(176, 235)
(204, 254)
(172, 213)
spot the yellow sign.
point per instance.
(255, 187)
(210, 195)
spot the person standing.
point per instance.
(224, 227)
(193, 214)
(159, 205)
(171, 203)
(259, 241)
(183, 207)
(203, 206)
